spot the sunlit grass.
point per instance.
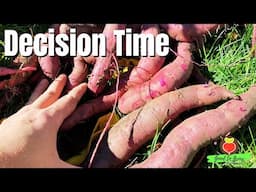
(231, 64)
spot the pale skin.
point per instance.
(28, 138)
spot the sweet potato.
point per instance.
(183, 142)
(80, 28)
(167, 79)
(50, 65)
(29, 64)
(90, 59)
(8, 71)
(188, 32)
(78, 73)
(101, 71)
(147, 66)
(133, 130)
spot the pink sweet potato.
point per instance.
(8, 71)
(50, 65)
(28, 64)
(135, 129)
(167, 79)
(147, 66)
(183, 142)
(101, 71)
(188, 32)
(78, 73)
(80, 28)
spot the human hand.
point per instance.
(28, 138)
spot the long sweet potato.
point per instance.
(182, 143)
(50, 65)
(80, 28)
(147, 66)
(133, 130)
(8, 71)
(101, 71)
(188, 32)
(28, 63)
(78, 73)
(167, 79)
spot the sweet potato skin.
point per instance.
(19, 78)
(147, 66)
(8, 71)
(78, 74)
(188, 32)
(133, 130)
(50, 65)
(167, 79)
(182, 143)
(101, 71)
(80, 28)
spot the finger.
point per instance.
(52, 93)
(40, 88)
(67, 104)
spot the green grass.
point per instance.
(231, 64)
(229, 59)
(152, 147)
